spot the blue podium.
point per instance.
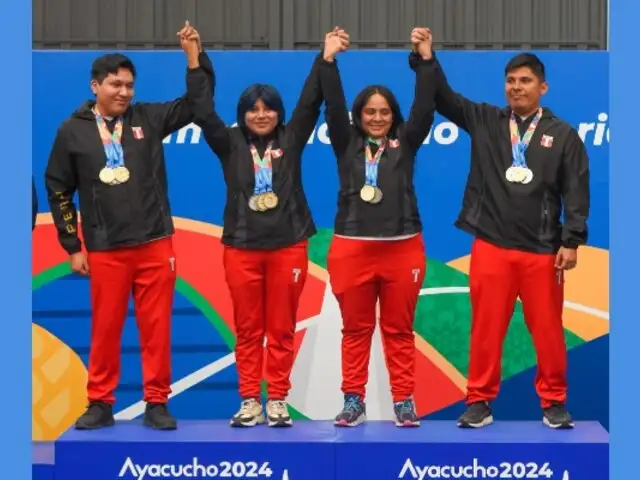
(315, 450)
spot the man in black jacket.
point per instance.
(527, 166)
(110, 151)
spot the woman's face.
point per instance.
(261, 120)
(376, 116)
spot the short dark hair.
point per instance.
(110, 64)
(363, 97)
(527, 60)
(267, 93)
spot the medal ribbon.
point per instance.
(111, 141)
(371, 162)
(519, 145)
(262, 170)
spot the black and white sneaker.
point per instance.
(278, 414)
(556, 416)
(478, 415)
(405, 413)
(249, 415)
(353, 413)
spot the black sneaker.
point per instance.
(478, 415)
(353, 413)
(556, 416)
(405, 413)
(157, 416)
(97, 415)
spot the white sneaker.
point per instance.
(278, 414)
(249, 415)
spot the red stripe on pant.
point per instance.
(149, 271)
(265, 287)
(497, 276)
(361, 272)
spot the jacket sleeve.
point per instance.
(307, 111)
(423, 108)
(200, 94)
(458, 109)
(169, 117)
(34, 204)
(575, 192)
(336, 110)
(61, 184)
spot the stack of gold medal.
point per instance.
(371, 194)
(114, 176)
(263, 202)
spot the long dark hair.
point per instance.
(363, 97)
(258, 91)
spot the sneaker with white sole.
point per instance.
(278, 414)
(249, 415)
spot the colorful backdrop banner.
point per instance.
(203, 333)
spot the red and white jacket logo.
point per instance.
(138, 134)
(547, 141)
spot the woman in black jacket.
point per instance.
(267, 223)
(377, 252)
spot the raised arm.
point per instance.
(458, 109)
(575, 192)
(200, 88)
(336, 110)
(61, 184)
(307, 110)
(423, 108)
(169, 117)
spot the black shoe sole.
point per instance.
(98, 426)
(558, 426)
(486, 421)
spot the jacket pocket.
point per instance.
(97, 221)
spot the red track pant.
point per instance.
(149, 271)
(497, 277)
(265, 288)
(361, 272)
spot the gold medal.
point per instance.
(377, 197)
(260, 203)
(107, 175)
(270, 200)
(121, 174)
(253, 203)
(509, 174)
(367, 193)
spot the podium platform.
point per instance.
(316, 450)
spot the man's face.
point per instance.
(523, 90)
(114, 94)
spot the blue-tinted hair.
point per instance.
(269, 95)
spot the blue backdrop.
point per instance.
(197, 191)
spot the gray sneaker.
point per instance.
(478, 415)
(556, 416)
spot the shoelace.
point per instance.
(352, 404)
(278, 407)
(245, 408)
(406, 407)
